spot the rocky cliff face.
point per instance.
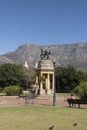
(74, 54)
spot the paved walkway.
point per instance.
(8, 101)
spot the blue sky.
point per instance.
(41, 22)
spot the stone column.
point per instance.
(42, 91)
(48, 87)
(36, 79)
(53, 83)
(48, 81)
(41, 86)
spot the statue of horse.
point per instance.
(45, 54)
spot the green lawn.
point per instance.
(41, 117)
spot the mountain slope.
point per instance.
(74, 54)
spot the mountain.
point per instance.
(74, 54)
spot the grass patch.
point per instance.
(41, 117)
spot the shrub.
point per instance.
(1, 89)
(13, 90)
(81, 90)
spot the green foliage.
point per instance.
(81, 90)
(11, 74)
(82, 76)
(42, 78)
(1, 89)
(13, 90)
(67, 78)
(28, 78)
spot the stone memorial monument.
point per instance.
(45, 74)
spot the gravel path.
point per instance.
(9, 101)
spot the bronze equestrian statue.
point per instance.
(45, 54)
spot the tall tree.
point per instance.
(11, 74)
(67, 78)
(28, 79)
